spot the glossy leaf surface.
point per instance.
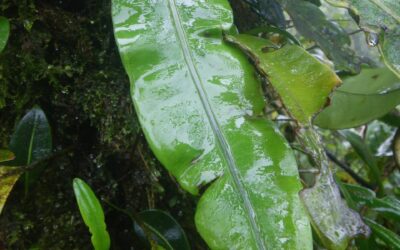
(302, 82)
(4, 32)
(164, 229)
(379, 17)
(389, 237)
(31, 140)
(312, 23)
(92, 214)
(200, 107)
(361, 99)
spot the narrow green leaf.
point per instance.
(388, 207)
(165, 230)
(391, 238)
(4, 32)
(302, 82)
(92, 214)
(200, 106)
(6, 155)
(365, 154)
(361, 99)
(8, 177)
(312, 23)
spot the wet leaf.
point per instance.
(361, 99)
(302, 82)
(8, 177)
(379, 17)
(312, 23)
(389, 48)
(92, 214)
(6, 155)
(388, 206)
(334, 222)
(389, 237)
(270, 10)
(200, 106)
(164, 229)
(365, 154)
(4, 32)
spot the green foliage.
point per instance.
(4, 32)
(183, 108)
(312, 23)
(302, 82)
(92, 214)
(163, 228)
(364, 97)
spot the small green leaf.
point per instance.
(361, 99)
(8, 177)
(389, 237)
(365, 154)
(4, 32)
(388, 207)
(302, 82)
(312, 23)
(6, 155)
(31, 142)
(164, 229)
(92, 214)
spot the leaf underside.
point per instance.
(200, 107)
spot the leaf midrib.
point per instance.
(222, 142)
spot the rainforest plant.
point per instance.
(254, 124)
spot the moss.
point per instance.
(61, 56)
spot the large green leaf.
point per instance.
(302, 82)
(361, 99)
(200, 107)
(164, 229)
(31, 142)
(92, 214)
(270, 10)
(379, 17)
(312, 23)
(4, 32)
